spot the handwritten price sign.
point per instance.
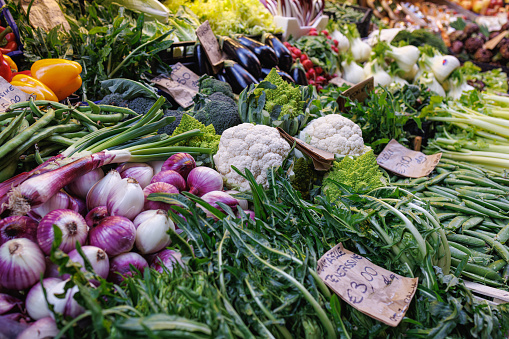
(182, 85)
(373, 290)
(10, 95)
(400, 160)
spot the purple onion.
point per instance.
(244, 204)
(97, 258)
(170, 177)
(17, 227)
(51, 269)
(249, 213)
(71, 223)
(94, 217)
(68, 306)
(81, 186)
(78, 205)
(166, 260)
(21, 264)
(218, 196)
(114, 234)
(158, 187)
(41, 329)
(202, 180)
(182, 163)
(141, 172)
(120, 266)
(36, 305)
(59, 201)
(8, 302)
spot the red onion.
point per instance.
(170, 177)
(59, 201)
(36, 305)
(141, 172)
(243, 203)
(98, 194)
(67, 306)
(51, 269)
(71, 223)
(96, 215)
(158, 187)
(166, 259)
(249, 213)
(126, 199)
(218, 196)
(114, 235)
(84, 183)
(152, 231)
(78, 205)
(8, 302)
(182, 163)
(21, 264)
(120, 266)
(156, 166)
(97, 258)
(202, 180)
(17, 227)
(41, 329)
(11, 326)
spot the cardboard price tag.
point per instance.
(339, 81)
(209, 42)
(182, 85)
(45, 14)
(322, 160)
(357, 92)
(10, 95)
(373, 290)
(400, 160)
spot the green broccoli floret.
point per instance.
(285, 95)
(141, 105)
(209, 85)
(220, 111)
(168, 129)
(209, 140)
(361, 174)
(304, 176)
(114, 99)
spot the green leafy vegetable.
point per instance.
(129, 89)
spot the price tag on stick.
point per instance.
(400, 160)
(182, 85)
(371, 289)
(9, 95)
(357, 92)
(209, 42)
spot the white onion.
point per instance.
(41, 329)
(126, 199)
(156, 166)
(84, 183)
(36, 305)
(21, 264)
(59, 201)
(141, 172)
(97, 258)
(67, 306)
(98, 194)
(152, 233)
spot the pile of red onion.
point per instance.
(110, 216)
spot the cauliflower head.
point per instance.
(255, 147)
(334, 133)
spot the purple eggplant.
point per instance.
(237, 76)
(286, 77)
(298, 73)
(282, 53)
(264, 53)
(202, 61)
(242, 55)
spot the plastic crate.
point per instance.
(6, 18)
(363, 24)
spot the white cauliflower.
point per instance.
(334, 133)
(255, 147)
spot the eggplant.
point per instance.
(283, 54)
(265, 72)
(298, 73)
(264, 53)
(221, 76)
(237, 76)
(202, 61)
(286, 77)
(242, 55)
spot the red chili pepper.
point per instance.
(11, 45)
(5, 68)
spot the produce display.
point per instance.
(147, 191)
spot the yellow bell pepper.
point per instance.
(29, 89)
(28, 80)
(11, 63)
(60, 75)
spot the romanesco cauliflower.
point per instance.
(360, 173)
(208, 140)
(285, 95)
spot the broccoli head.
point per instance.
(209, 85)
(141, 105)
(114, 99)
(285, 95)
(360, 174)
(170, 128)
(209, 139)
(305, 176)
(219, 110)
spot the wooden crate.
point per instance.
(492, 295)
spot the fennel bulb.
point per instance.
(352, 72)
